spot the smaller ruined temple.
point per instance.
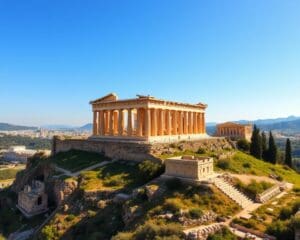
(33, 200)
(190, 168)
(234, 130)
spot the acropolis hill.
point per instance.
(140, 128)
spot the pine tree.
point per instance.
(272, 151)
(288, 153)
(264, 146)
(256, 146)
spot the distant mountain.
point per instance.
(58, 127)
(86, 127)
(261, 122)
(11, 127)
(285, 125)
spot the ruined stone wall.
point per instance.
(115, 150)
(138, 151)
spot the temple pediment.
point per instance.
(108, 98)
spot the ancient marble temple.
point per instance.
(146, 118)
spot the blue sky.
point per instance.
(242, 58)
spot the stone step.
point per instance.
(232, 193)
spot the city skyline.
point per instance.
(56, 57)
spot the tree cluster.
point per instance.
(266, 149)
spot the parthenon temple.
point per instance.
(146, 118)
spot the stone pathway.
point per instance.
(75, 174)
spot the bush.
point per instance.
(173, 184)
(195, 213)
(281, 230)
(224, 234)
(173, 205)
(49, 233)
(201, 151)
(151, 231)
(243, 145)
(150, 170)
(285, 213)
(247, 165)
(70, 218)
(223, 164)
(296, 222)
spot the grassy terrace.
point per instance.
(9, 173)
(77, 160)
(242, 163)
(113, 176)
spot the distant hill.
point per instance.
(261, 122)
(11, 127)
(286, 125)
(86, 127)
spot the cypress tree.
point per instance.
(264, 146)
(288, 153)
(256, 146)
(272, 151)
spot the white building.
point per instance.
(18, 154)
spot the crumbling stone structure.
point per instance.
(33, 200)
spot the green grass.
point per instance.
(75, 160)
(253, 188)
(242, 163)
(113, 176)
(10, 173)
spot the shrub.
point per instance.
(296, 206)
(247, 165)
(223, 164)
(201, 151)
(296, 222)
(243, 145)
(285, 213)
(223, 234)
(151, 231)
(173, 183)
(173, 205)
(195, 213)
(49, 233)
(150, 170)
(281, 230)
(70, 218)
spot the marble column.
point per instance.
(101, 118)
(116, 123)
(139, 126)
(153, 122)
(129, 124)
(195, 125)
(203, 123)
(190, 123)
(147, 122)
(174, 122)
(95, 124)
(185, 130)
(111, 122)
(106, 131)
(168, 122)
(180, 122)
(120, 123)
(161, 122)
(200, 123)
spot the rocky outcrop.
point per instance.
(37, 169)
(63, 189)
